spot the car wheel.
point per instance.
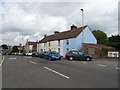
(71, 58)
(50, 58)
(88, 58)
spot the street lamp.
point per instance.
(82, 28)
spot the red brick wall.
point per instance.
(97, 51)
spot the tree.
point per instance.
(100, 36)
(114, 38)
(114, 41)
(15, 49)
(4, 46)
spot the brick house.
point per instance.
(31, 46)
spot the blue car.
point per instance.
(52, 55)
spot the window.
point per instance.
(44, 44)
(91, 51)
(58, 50)
(58, 42)
(41, 50)
(67, 42)
(67, 49)
(49, 43)
(49, 49)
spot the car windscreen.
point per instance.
(52, 52)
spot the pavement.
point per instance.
(34, 72)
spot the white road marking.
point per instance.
(11, 58)
(117, 68)
(101, 65)
(27, 57)
(57, 72)
(84, 62)
(2, 61)
(33, 62)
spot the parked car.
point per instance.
(28, 53)
(16, 53)
(3, 53)
(42, 54)
(24, 53)
(35, 54)
(52, 55)
(20, 54)
(72, 55)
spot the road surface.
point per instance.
(34, 72)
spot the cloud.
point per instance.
(34, 19)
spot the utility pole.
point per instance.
(82, 29)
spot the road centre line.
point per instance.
(12, 58)
(33, 62)
(117, 68)
(84, 62)
(101, 65)
(2, 61)
(27, 57)
(57, 72)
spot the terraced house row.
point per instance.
(62, 42)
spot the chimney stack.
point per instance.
(55, 32)
(45, 35)
(73, 27)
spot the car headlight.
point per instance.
(90, 55)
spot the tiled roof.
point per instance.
(32, 43)
(63, 35)
(100, 46)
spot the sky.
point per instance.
(20, 21)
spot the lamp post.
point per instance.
(82, 28)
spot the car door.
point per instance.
(75, 55)
(81, 55)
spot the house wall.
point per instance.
(74, 43)
(70, 46)
(87, 38)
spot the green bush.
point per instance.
(105, 52)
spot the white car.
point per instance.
(28, 53)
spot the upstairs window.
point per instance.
(49, 43)
(58, 42)
(67, 42)
(44, 44)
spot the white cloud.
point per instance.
(33, 20)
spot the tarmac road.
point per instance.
(33, 72)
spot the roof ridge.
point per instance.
(63, 35)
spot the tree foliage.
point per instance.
(114, 41)
(100, 36)
(4, 46)
(15, 49)
(114, 38)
